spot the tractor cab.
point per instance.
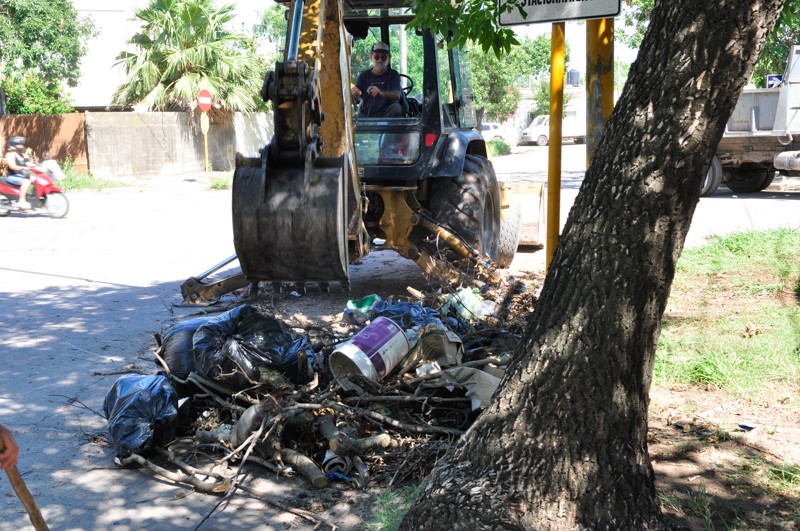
(437, 98)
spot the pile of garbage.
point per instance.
(377, 405)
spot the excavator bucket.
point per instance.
(289, 224)
(291, 205)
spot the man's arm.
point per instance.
(10, 451)
(11, 161)
(358, 88)
(394, 92)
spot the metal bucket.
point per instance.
(373, 352)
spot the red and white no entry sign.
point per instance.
(204, 100)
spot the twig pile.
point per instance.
(350, 429)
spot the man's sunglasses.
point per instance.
(381, 55)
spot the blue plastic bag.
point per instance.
(142, 413)
(177, 348)
(405, 314)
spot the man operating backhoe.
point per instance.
(379, 87)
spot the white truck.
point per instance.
(572, 128)
(761, 136)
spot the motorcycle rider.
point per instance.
(18, 173)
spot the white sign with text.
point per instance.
(536, 11)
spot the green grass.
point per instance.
(498, 148)
(764, 476)
(87, 182)
(786, 478)
(733, 318)
(221, 182)
(75, 181)
(391, 507)
(699, 504)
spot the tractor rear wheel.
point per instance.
(469, 204)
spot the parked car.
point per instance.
(492, 131)
(539, 131)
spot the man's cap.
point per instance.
(380, 47)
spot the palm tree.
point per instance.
(183, 47)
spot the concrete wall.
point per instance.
(158, 143)
(253, 131)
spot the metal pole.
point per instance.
(294, 36)
(205, 153)
(554, 148)
(599, 80)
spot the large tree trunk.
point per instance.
(563, 444)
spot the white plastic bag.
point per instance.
(53, 169)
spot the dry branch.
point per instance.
(304, 466)
(24, 495)
(215, 487)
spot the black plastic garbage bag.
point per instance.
(235, 346)
(142, 413)
(405, 314)
(176, 346)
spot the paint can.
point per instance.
(373, 352)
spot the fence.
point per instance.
(122, 144)
(56, 136)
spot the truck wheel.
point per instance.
(508, 240)
(770, 177)
(541, 141)
(713, 177)
(470, 204)
(747, 179)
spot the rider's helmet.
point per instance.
(16, 143)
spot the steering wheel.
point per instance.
(407, 89)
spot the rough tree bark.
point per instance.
(563, 444)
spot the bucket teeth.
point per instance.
(304, 288)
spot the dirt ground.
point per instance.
(716, 460)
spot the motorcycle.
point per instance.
(43, 193)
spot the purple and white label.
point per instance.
(384, 343)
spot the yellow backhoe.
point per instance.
(332, 185)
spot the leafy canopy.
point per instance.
(47, 36)
(184, 46)
(636, 15)
(495, 80)
(476, 21)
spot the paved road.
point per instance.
(721, 213)
(82, 297)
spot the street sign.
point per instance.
(537, 11)
(774, 80)
(204, 100)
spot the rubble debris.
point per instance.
(261, 393)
